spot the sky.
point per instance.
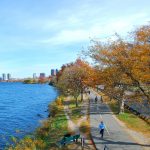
(39, 35)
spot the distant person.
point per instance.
(102, 127)
(101, 99)
(96, 99)
(89, 92)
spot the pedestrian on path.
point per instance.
(101, 99)
(102, 127)
(96, 99)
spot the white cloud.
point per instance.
(95, 30)
(68, 36)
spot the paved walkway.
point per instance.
(115, 136)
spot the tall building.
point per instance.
(8, 76)
(34, 75)
(52, 72)
(42, 75)
(56, 71)
(3, 76)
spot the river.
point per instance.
(22, 107)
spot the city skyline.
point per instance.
(35, 35)
(7, 76)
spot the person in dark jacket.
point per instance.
(96, 99)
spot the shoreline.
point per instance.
(38, 137)
(29, 108)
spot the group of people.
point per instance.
(96, 99)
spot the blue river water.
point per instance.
(22, 107)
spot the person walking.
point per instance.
(102, 127)
(101, 99)
(96, 99)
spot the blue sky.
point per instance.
(38, 35)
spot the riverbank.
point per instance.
(22, 106)
(64, 118)
(48, 134)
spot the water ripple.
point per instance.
(20, 105)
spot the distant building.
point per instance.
(34, 75)
(3, 76)
(42, 75)
(0, 79)
(8, 76)
(53, 72)
(56, 71)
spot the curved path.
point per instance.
(115, 136)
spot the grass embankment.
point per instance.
(131, 121)
(75, 112)
(76, 115)
(79, 117)
(54, 128)
(46, 136)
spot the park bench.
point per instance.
(68, 140)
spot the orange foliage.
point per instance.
(124, 65)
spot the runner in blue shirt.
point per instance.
(101, 127)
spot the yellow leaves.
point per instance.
(124, 63)
(28, 144)
(40, 144)
(143, 34)
(59, 101)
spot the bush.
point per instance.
(85, 128)
(59, 101)
(53, 109)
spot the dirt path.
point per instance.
(71, 125)
(75, 127)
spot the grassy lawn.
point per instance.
(75, 112)
(132, 121)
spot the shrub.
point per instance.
(59, 101)
(85, 128)
(53, 109)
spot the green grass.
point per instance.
(132, 121)
(72, 102)
(55, 128)
(75, 113)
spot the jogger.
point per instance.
(102, 127)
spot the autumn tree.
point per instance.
(87, 75)
(58, 75)
(75, 78)
(124, 65)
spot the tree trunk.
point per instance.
(76, 98)
(81, 95)
(120, 106)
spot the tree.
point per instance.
(69, 82)
(87, 75)
(124, 65)
(75, 78)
